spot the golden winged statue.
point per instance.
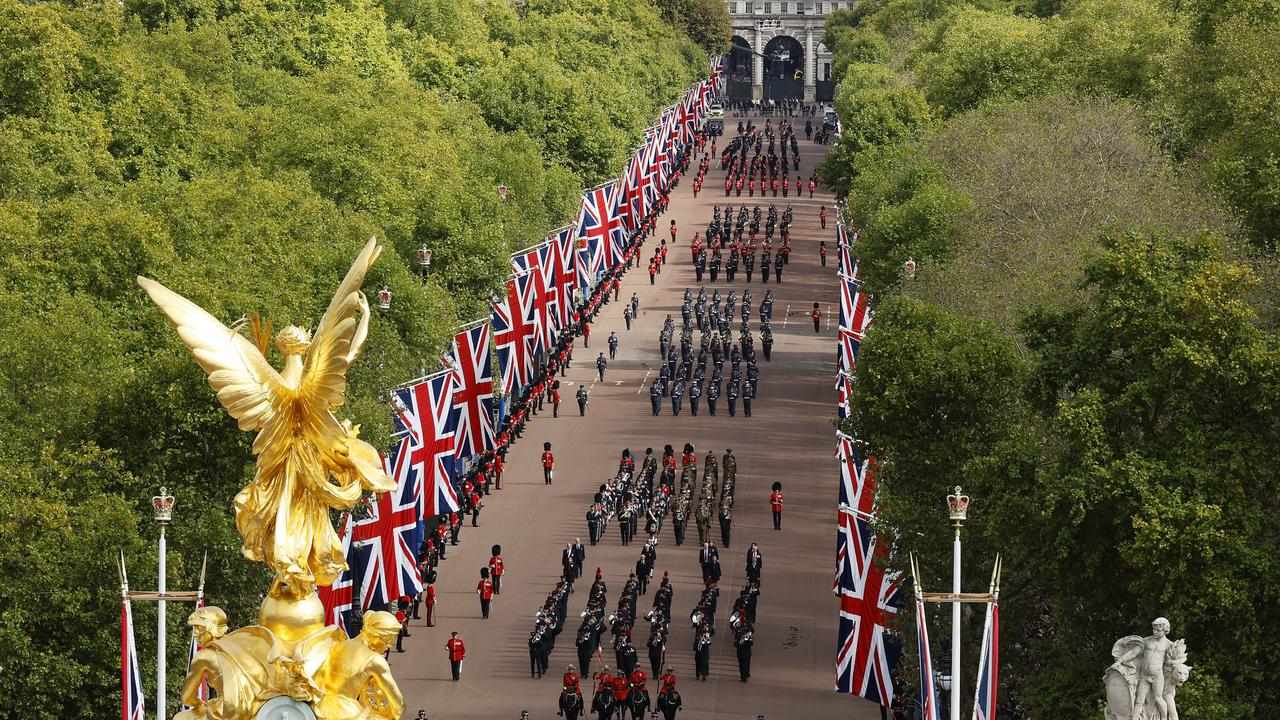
(307, 460)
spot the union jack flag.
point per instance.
(928, 694)
(472, 392)
(566, 276)
(536, 262)
(848, 264)
(844, 394)
(984, 700)
(865, 652)
(514, 322)
(600, 225)
(336, 598)
(856, 511)
(385, 543)
(855, 318)
(422, 463)
(132, 705)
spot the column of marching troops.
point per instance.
(630, 496)
(752, 160)
(485, 475)
(716, 344)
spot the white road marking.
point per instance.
(642, 382)
(786, 318)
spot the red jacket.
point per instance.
(775, 502)
(431, 594)
(485, 589)
(495, 565)
(548, 460)
(456, 649)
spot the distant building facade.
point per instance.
(777, 50)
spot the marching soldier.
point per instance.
(817, 318)
(655, 398)
(748, 394)
(775, 505)
(677, 397)
(582, 393)
(742, 641)
(778, 262)
(626, 314)
(601, 365)
(457, 652)
(695, 392)
(485, 590)
(548, 463)
(713, 393)
(496, 569)
(702, 650)
(732, 394)
(613, 342)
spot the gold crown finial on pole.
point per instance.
(958, 506)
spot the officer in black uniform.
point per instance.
(700, 266)
(677, 396)
(748, 394)
(743, 638)
(732, 393)
(713, 393)
(695, 392)
(655, 397)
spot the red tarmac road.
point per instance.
(789, 438)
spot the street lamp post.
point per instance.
(958, 508)
(162, 506)
(424, 261)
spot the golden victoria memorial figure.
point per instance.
(308, 462)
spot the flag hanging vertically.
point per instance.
(928, 693)
(513, 323)
(422, 462)
(566, 276)
(855, 318)
(599, 224)
(984, 700)
(385, 542)
(865, 652)
(337, 598)
(473, 392)
(132, 705)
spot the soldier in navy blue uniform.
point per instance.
(677, 397)
(732, 393)
(748, 394)
(655, 397)
(695, 392)
(713, 393)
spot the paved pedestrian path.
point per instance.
(789, 438)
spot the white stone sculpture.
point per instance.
(1143, 680)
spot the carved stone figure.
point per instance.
(1142, 682)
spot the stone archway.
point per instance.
(783, 68)
(738, 67)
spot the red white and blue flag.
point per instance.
(984, 700)
(855, 319)
(844, 394)
(337, 598)
(421, 462)
(566, 276)
(865, 652)
(536, 263)
(132, 707)
(928, 693)
(385, 542)
(600, 225)
(514, 322)
(472, 392)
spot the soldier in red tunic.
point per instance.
(485, 590)
(496, 569)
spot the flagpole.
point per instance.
(958, 505)
(163, 507)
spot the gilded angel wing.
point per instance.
(246, 384)
(339, 337)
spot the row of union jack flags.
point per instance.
(866, 653)
(869, 593)
(445, 419)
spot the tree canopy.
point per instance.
(241, 153)
(1088, 345)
